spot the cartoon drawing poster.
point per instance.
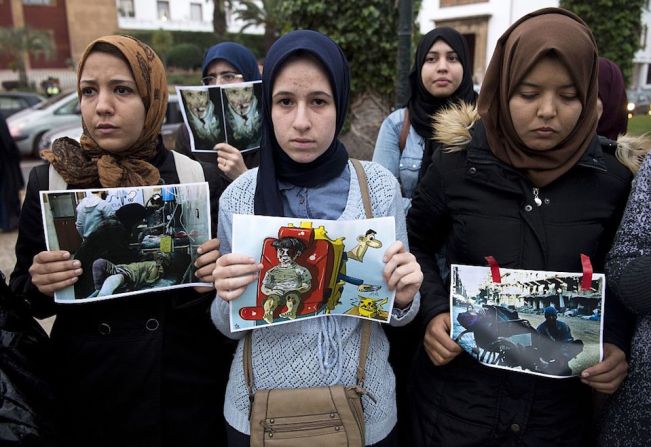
(536, 322)
(312, 268)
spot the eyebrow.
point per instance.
(532, 84)
(111, 82)
(441, 52)
(316, 93)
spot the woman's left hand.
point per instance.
(205, 263)
(606, 376)
(402, 273)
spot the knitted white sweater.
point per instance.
(319, 351)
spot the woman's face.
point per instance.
(303, 110)
(111, 107)
(442, 71)
(545, 107)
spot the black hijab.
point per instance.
(274, 163)
(422, 105)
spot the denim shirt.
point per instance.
(406, 166)
(325, 201)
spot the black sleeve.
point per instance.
(31, 241)
(182, 141)
(428, 227)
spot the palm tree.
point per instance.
(261, 13)
(18, 43)
(219, 17)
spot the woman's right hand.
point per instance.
(230, 161)
(440, 348)
(54, 270)
(233, 274)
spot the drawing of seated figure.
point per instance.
(287, 281)
(109, 277)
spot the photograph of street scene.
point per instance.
(535, 322)
(128, 240)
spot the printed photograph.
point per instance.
(535, 322)
(128, 240)
(223, 114)
(203, 117)
(312, 268)
(243, 114)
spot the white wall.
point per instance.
(503, 13)
(146, 17)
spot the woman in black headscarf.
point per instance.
(305, 172)
(440, 77)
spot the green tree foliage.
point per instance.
(18, 43)
(616, 25)
(162, 41)
(185, 55)
(264, 13)
(365, 30)
(203, 40)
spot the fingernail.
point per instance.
(78, 272)
(585, 374)
(200, 250)
(76, 264)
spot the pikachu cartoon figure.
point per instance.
(370, 308)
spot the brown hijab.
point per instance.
(534, 36)
(85, 163)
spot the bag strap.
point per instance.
(55, 181)
(404, 131)
(187, 169)
(363, 186)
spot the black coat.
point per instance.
(147, 370)
(475, 206)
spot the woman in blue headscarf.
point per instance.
(225, 63)
(305, 172)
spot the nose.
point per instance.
(301, 118)
(547, 107)
(104, 104)
(442, 65)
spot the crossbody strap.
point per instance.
(404, 131)
(365, 339)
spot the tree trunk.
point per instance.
(367, 111)
(219, 18)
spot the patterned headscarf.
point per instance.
(546, 31)
(85, 164)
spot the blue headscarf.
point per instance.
(274, 163)
(235, 54)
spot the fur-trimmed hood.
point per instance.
(451, 128)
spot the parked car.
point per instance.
(639, 102)
(13, 102)
(28, 126)
(173, 119)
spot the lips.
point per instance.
(302, 142)
(104, 128)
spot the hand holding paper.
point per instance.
(233, 273)
(54, 270)
(402, 273)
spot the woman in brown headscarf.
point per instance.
(145, 370)
(525, 181)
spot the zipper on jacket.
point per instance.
(536, 199)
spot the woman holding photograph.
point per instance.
(137, 370)
(524, 180)
(305, 172)
(226, 63)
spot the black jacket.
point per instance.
(147, 370)
(475, 206)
